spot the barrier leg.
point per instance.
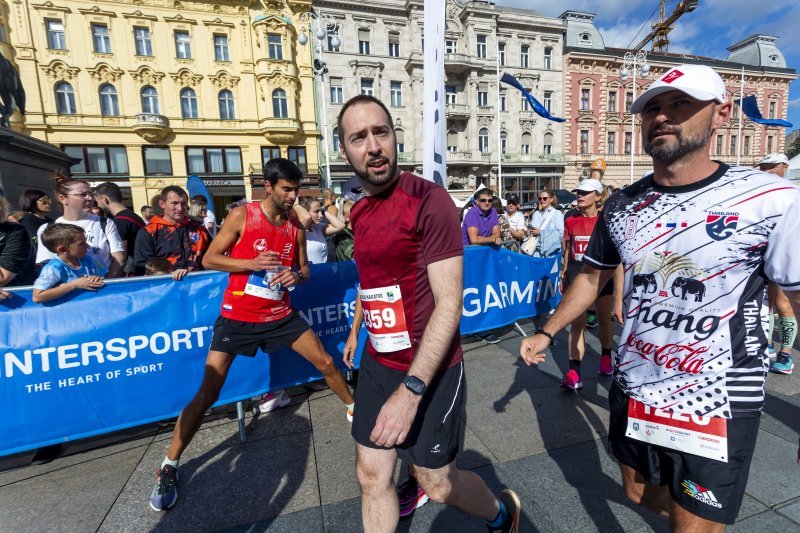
(519, 328)
(240, 416)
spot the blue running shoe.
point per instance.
(783, 363)
(165, 492)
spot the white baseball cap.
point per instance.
(698, 81)
(590, 185)
(774, 159)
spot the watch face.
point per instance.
(414, 384)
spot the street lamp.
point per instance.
(635, 62)
(319, 26)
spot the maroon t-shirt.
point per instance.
(398, 233)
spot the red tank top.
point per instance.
(248, 297)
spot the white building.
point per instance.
(381, 53)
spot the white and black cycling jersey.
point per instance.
(696, 261)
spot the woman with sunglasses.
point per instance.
(77, 199)
(578, 230)
(547, 223)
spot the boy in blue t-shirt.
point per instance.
(73, 267)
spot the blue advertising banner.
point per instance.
(134, 352)
(501, 287)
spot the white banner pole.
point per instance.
(434, 134)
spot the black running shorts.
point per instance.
(573, 269)
(707, 488)
(245, 338)
(433, 440)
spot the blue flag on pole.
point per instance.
(539, 108)
(750, 107)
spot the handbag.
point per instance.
(531, 243)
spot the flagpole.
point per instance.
(739, 137)
(497, 117)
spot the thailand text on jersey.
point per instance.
(694, 259)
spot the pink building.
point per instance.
(596, 101)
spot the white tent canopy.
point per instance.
(793, 173)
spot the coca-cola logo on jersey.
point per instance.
(685, 358)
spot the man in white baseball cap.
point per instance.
(698, 241)
(775, 163)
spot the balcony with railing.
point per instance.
(458, 62)
(540, 158)
(486, 110)
(280, 130)
(152, 127)
(457, 110)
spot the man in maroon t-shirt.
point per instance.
(411, 385)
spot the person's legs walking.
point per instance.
(309, 346)
(380, 510)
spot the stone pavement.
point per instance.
(296, 470)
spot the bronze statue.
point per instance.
(12, 93)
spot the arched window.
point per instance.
(503, 142)
(189, 103)
(483, 140)
(335, 139)
(65, 99)
(227, 111)
(150, 100)
(548, 143)
(280, 107)
(525, 147)
(109, 104)
(401, 141)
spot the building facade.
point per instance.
(145, 93)
(598, 99)
(381, 53)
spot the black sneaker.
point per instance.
(488, 338)
(513, 507)
(165, 491)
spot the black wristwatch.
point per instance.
(300, 274)
(540, 331)
(415, 385)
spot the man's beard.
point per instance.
(668, 154)
(364, 174)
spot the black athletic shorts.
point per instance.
(435, 434)
(245, 338)
(707, 488)
(573, 269)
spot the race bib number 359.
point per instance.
(699, 435)
(385, 319)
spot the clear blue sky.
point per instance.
(708, 31)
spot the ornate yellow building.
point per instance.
(146, 92)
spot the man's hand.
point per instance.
(535, 232)
(498, 241)
(89, 283)
(349, 352)
(179, 273)
(5, 295)
(617, 314)
(531, 349)
(265, 261)
(395, 419)
(285, 278)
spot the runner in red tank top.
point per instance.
(263, 246)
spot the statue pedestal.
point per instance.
(28, 163)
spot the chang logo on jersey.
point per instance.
(721, 224)
(260, 245)
(700, 493)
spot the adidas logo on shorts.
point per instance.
(700, 493)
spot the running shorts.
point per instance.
(435, 434)
(245, 338)
(707, 488)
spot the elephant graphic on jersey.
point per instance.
(689, 285)
(646, 281)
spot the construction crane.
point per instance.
(664, 25)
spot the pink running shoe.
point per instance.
(605, 368)
(572, 381)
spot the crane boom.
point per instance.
(662, 29)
